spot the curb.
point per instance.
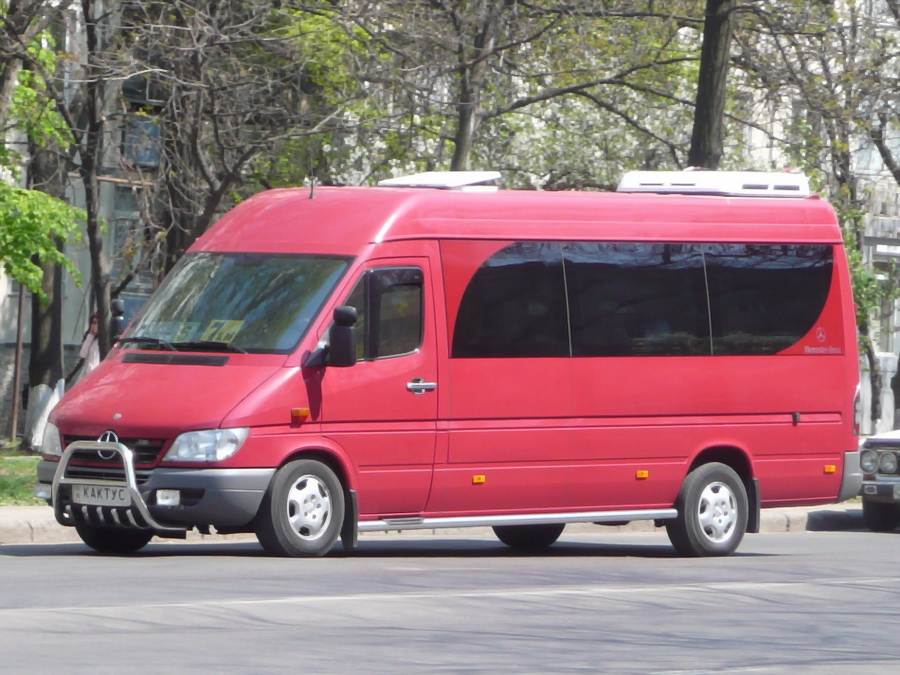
(36, 525)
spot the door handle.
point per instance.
(420, 386)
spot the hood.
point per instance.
(160, 400)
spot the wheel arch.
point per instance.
(327, 456)
(334, 459)
(738, 459)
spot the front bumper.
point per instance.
(222, 498)
(881, 489)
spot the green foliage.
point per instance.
(328, 52)
(30, 223)
(17, 474)
(33, 110)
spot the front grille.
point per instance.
(116, 473)
(147, 452)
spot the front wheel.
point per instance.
(529, 537)
(881, 516)
(712, 512)
(113, 540)
(302, 512)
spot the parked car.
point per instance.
(880, 492)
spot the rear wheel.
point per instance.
(302, 512)
(530, 537)
(113, 540)
(881, 516)
(712, 512)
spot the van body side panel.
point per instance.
(789, 413)
(387, 430)
(658, 415)
(612, 432)
(509, 418)
(510, 425)
(851, 361)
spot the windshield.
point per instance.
(243, 302)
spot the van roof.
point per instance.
(344, 220)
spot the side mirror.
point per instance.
(342, 338)
(117, 324)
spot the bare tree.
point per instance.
(831, 70)
(446, 68)
(230, 85)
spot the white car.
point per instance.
(879, 460)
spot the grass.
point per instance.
(18, 472)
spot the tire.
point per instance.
(712, 512)
(113, 540)
(881, 516)
(529, 537)
(302, 512)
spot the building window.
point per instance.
(140, 141)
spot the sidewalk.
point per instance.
(36, 524)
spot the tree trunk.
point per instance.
(46, 363)
(91, 158)
(467, 122)
(706, 138)
(9, 73)
(472, 65)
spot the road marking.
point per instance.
(562, 591)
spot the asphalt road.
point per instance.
(800, 602)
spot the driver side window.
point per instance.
(389, 303)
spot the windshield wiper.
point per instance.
(211, 346)
(147, 340)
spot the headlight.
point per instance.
(887, 463)
(210, 445)
(51, 443)
(868, 461)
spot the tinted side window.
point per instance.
(515, 305)
(764, 298)
(389, 305)
(637, 299)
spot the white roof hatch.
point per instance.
(447, 180)
(731, 183)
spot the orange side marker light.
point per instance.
(642, 474)
(830, 468)
(299, 415)
(479, 479)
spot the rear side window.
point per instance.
(389, 305)
(636, 299)
(763, 297)
(515, 306)
(547, 299)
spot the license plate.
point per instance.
(101, 495)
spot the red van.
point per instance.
(423, 354)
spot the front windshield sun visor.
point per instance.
(257, 303)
